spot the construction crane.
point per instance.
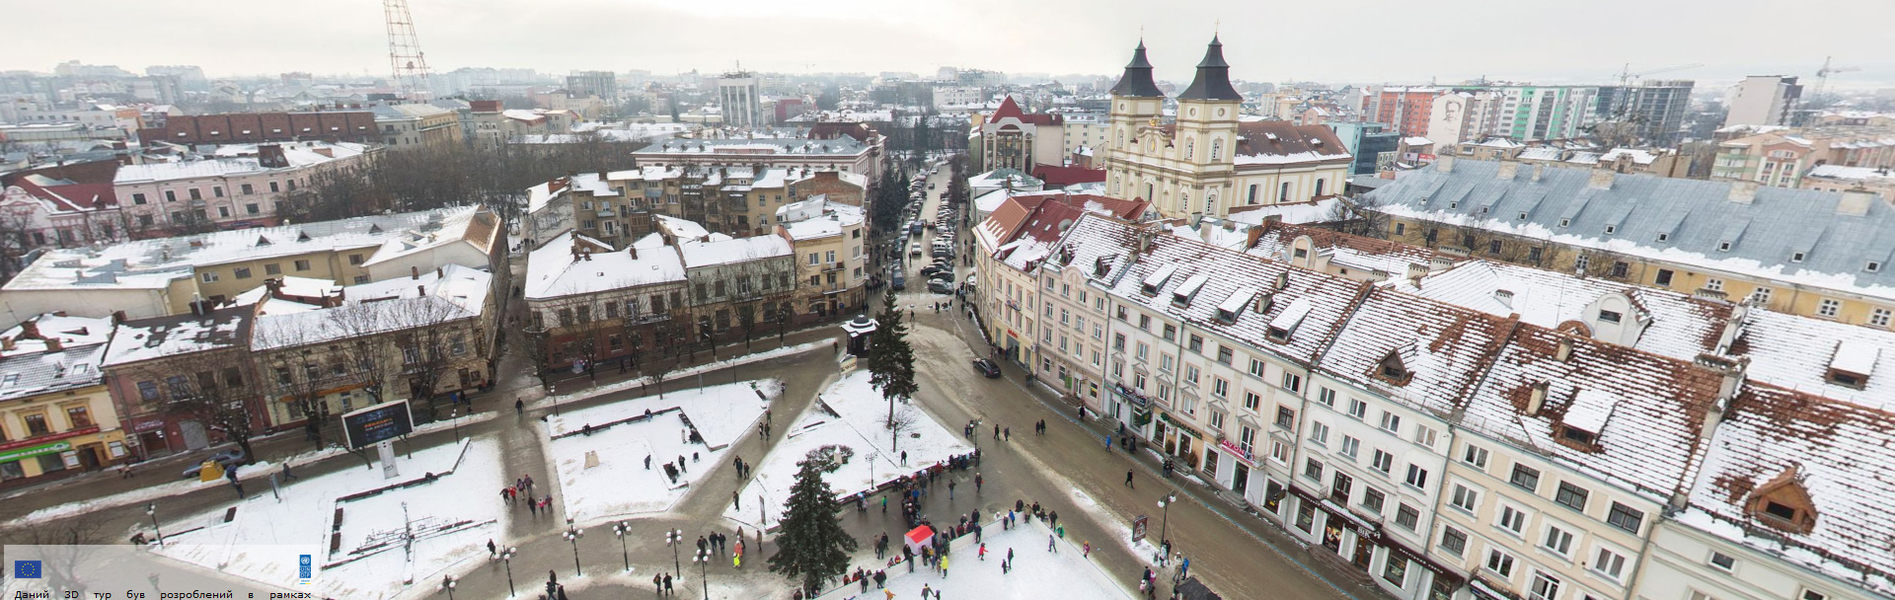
(1626, 75)
(1822, 75)
(405, 60)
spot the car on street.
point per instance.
(225, 457)
(940, 287)
(898, 282)
(987, 368)
(931, 270)
(915, 250)
(947, 276)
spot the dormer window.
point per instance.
(1182, 296)
(1611, 229)
(1783, 502)
(1565, 222)
(1577, 436)
(1284, 325)
(1852, 363)
(1228, 310)
(1723, 246)
(1873, 266)
(1157, 279)
(1610, 316)
(1797, 257)
(1664, 237)
(1392, 369)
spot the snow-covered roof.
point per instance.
(1295, 213)
(33, 373)
(539, 195)
(1837, 452)
(553, 272)
(1565, 207)
(1638, 156)
(237, 159)
(68, 331)
(841, 146)
(1853, 174)
(1443, 348)
(176, 335)
(1416, 140)
(817, 218)
(682, 229)
(1358, 253)
(1797, 352)
(1547, 153)
(154, 263)
(377, 308)
(1670, 323)
(723, 252)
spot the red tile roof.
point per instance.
(1064, 176)
(1009, 109)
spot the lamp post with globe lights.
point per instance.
(572, 536)
(672, 539)
(151, 510)
(703, 559)
(1164, 521)
(447, 584)
(620, 529)
(506, 556)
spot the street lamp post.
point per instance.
(672, 539)
(151, 510)
(620, 529)
(447, 583)
(1164, 521)
(572, 536)
(703, 558)
(455, 416)
(507, 557)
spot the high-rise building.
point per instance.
(737, 94)
(1763, 100)
(1656, 108)
(603, 84)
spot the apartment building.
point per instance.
(1700, 237)
(842, 153)
(1011, 139)
(412, 126)
(165, 276)
(1551, 442)
(590, 303)
(832, 263)
(417, 338)
(232, 186)
(152, 363)
(620, 206)
(56, 416)
(1764, 100)
(1785, 158)
(354, 126)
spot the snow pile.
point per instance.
(858, 422)
(603, 472)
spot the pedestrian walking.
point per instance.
(977, 482)
(996, 431)
(982, 553)
(904, 458)
(950, 489)
(734, 499)
(1128, 480)
(1008, 433)
(239, 486)
(1085, 550)
(668, 584)
(1108, 442)
(492, 550)
(1050, 547)
(287, 475)
(944, 567)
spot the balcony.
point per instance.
(828, 267)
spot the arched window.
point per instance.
(1210, 202)
(1253, 194)
(1115, 184)
(1319, 188)
(1190, 148)
(1285, 196)
(1148, 190)
(1217, 149)
(1121, 141)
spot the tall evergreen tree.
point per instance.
(892, 361)
(811, 544)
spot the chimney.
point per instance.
(633, 250)
(422, 289)
(1205, 230)
(1855, 202)
(1444, 164)
(1539, 169)
(118, 317)
(1536, 399)
(1508, 168)
(1565, 350)
(440, 272)
(53, 344)
(414, 272)
(1743, 192)
(6, 344)
(29, 330)
(1601, 179)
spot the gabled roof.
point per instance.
(1280, 143)
(176, 335)
(1009, 110)
(1836, 246)
(1444, 348)
(1837, 451)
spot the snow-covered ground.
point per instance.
(462, 500)
(603, 474)
(255, 476)
(857, 422)
(1036, 573)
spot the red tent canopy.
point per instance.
(919, 537)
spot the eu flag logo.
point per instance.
(26, 569)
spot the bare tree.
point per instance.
(64, 547)
(1361, 215)
(223, 396)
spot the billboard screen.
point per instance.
(373, 424)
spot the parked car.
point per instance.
(898, 282)
(987, 367)
(930, 270)
(940, 287)
(225, 457)
(947, 276)
(914, 251)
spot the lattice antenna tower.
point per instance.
(405, 60)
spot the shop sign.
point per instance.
(14, 455)
(1187, 430)
(1237, 452)
(147, 425)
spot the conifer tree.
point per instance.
(811, 544)
(891, 361)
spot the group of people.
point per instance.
(522, 491)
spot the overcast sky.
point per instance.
(1334, 40)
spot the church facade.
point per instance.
(1207, 159)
